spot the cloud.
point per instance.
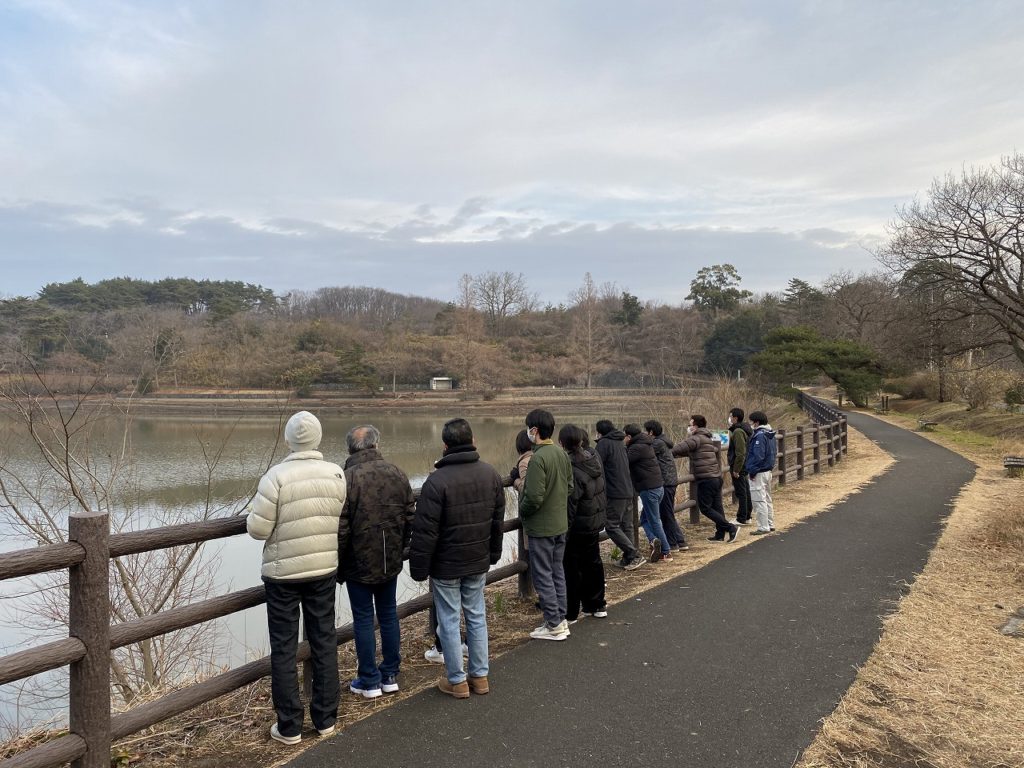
(346, 136)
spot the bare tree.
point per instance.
(591, 335)
(498, 295)
(80, 458)
(967, 238)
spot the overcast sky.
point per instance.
(400, 144)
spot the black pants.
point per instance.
(317, 601)
(584, 574)
(709, 501)
(741, 489)
(673, 532)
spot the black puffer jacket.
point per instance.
(457, 529)
(376, 521)
(702, 451)
(587, 502)
(612, 451)
(667, 462)
(643, 463)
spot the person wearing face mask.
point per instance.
(740, 433)
(708, 472)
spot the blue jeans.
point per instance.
(650, 518)
(467, 594)
(362, 598)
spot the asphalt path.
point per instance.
(731, 666)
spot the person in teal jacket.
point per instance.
(543, 506)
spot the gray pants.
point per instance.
(620, 525)
(546, 555)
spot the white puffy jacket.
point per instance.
(296, 512)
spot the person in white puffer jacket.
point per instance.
(296, 512)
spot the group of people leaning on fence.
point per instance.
(323, 524)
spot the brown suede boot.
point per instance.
(458, 690)
(479, 685)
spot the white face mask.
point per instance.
(532, 435)
(691, 429)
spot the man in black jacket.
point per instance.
(611, 449)
(670, 481)
(456, 537)
(374, 529)
(646, 475)
(740, 433)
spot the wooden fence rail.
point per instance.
(87, 557)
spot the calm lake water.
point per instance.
(170, 476)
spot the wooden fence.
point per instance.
(87, 555)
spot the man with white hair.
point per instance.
(375, 527)
(296, 512)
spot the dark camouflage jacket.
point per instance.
(376, 522)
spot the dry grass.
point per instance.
(233, 729)
(943, 689)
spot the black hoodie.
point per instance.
(612, 452)
(587, 502)
(643, 463)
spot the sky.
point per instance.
(401, 144)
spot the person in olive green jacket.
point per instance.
(543, 508)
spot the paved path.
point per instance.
(731, 666)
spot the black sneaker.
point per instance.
(733, 532)
(716, 538)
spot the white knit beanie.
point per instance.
(303, 432)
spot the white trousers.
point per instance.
(761, 500)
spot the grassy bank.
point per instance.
(943, 688)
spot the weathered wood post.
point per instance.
(816, 432)
(800, 453)
(525, 579)
(842, 429)
(781, 442)
(89, 621)
(830, 437)
(692, 491)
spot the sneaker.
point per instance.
(719, 539)
(633, 564)
(456, 690)
(276, 736)
(655, 551)
(683, 548)
(572, 621)
(325, 731)
(759, 532)
(732, 534)
(357, 686)
(738, 522)
(601, 614)
(389, 684)
(544, 632)
(666, 558)
(772, 528)
(435, 656)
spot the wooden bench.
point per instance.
(926, 426)
(1014, 465)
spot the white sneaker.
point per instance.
(544, 632)
(734, 521)
(325, 731)
(435, 656)
(597, 614)
(276, 736)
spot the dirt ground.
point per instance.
(234, 729)
(944, 688)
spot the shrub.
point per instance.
(921, 385)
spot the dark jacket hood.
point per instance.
(615, 434)
(587, 461)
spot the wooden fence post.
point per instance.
(781, 443)
(692, 491)
(525, 579)
(799, 453)
(817, 448)
(842, 438)
(89, 621)
(830, 437)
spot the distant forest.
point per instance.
(200, 333)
